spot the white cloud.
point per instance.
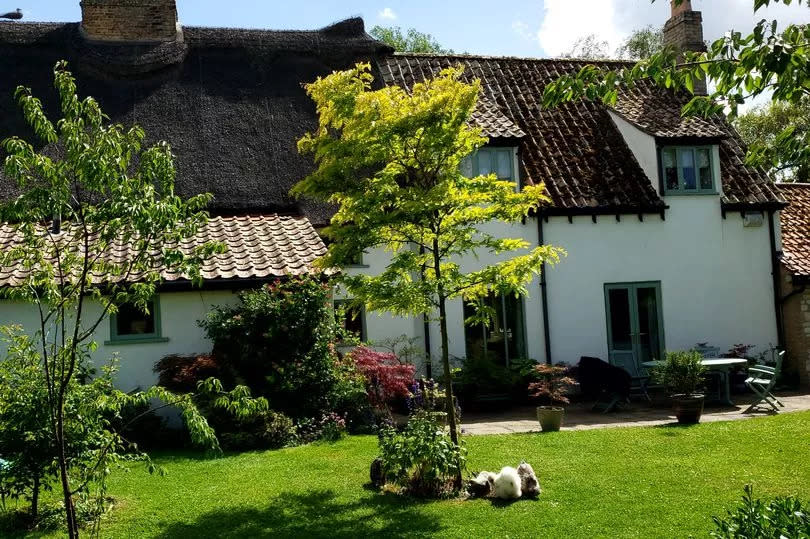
(564, 21)
(522, 29)
(387, 14)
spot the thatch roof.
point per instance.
(229, 101)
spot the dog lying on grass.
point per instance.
(508, 484)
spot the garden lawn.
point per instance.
(628, 482)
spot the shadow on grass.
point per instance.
(313, 514)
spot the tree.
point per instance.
(767, 60)
(589, 46)
(389, 159)
(96, 222)
(412, 41)
(764, 129)
(642, 43)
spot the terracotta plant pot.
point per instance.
(688, 408)
(550, 417)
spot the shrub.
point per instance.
(756, 519)
(553, 384)
(180, 373)
(682, 372)
(421, 460)
(268, 430)
(279, 341)
(333, 427)
(386, 378)
(481, 375)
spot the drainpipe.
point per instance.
(428, 358)
(544, 293)
(777, 285)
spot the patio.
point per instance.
(578, 416)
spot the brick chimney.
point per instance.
(684, 32)
(130, 21)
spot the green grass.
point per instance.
(629, 482)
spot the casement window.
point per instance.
(132, 325)
(490, 160)
(503, 337)
(687, 170)
(354, 317)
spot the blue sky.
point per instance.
(516, 27)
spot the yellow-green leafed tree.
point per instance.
(390, 160)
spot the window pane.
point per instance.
(687, 164)
(466, 166)
(504, 164)
(670, 170)
(704, 164)
(484, 162)
(352, 318)
(131, 321)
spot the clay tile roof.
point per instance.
(261, 246)
(576, 150)
(494, 123)
(659, 114)
(796, 228)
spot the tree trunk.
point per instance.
(448, 380)
(35, 501)
(70, 509)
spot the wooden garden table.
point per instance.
(720, 365)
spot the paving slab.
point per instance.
(635, 414)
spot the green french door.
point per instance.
(635, 325)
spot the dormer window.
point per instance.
(687, 170)
(490, 160)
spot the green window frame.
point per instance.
(687, 170)
(491, 159)
(154, 336)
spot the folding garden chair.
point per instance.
(761, 379)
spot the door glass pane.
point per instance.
(704, 164)
(620, 320)
(484, 162)
(514, 327)
(486, 340)
(504, 164)
(466, 167)
(648, 324)
(687, 164)
(670, 170)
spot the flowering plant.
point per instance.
(386, 378)
(553, 384)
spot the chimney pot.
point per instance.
(677, 9)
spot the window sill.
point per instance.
(361, 266)
(144, 340)
(695, 193)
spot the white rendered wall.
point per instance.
(715, 277)
(179, 312)
(382, 326)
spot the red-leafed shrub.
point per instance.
(181, 373)
(386, 378)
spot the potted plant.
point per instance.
(682, 373)
(552, 386)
